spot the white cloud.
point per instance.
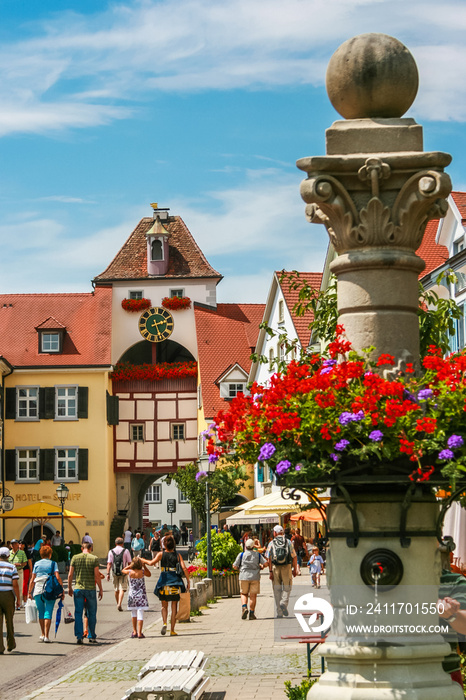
(65, 199)
(77, 69)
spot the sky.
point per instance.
(200, 105)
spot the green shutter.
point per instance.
(10, 403)
(83, 400)
(113, 409)
(10, 465)
(47, 465)
(83, 462)
(47, 402)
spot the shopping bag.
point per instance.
(68, 616)
(184, 607)
(32, 614)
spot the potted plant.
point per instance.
(176, 303)
(135, 304)
(224, 552)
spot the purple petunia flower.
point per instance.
(283, 467)
(455, 441)
(334, 457)
(326, 370)
(408, 396)
(341, 445)
(213, 458)
(298, 467)
(376, 435)
(446, 454)
(200, 475)
(257, 397)
(347, 417)
(425, 394)
(266, 452)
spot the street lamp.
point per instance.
(207, 467)
(62, 495)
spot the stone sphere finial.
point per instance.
(372, 75)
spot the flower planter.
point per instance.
(176, 303)
(134, 305)
(224, 586)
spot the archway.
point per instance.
(145, 352)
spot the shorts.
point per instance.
(120, 583)
(250, 587)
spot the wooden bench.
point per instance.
(171, 675)
(309, 639)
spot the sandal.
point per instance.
(134, 635)
(141, 636)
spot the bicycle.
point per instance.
(191, 553)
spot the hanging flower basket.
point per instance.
(135, 304)
(125, 372)
(176, 303)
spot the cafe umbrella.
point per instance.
(40, 512)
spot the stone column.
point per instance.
(375, 191)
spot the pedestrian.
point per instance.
(137, 545)
(57, 540)
(117, 559)
(127, 537)
(249, 563)
(283, 566)
(9, 590)
(86, 568)
(20, 560)
(36, 549)
(27, 571)
(170, 583)
(87, 539)
(137, 596)
(155, 545)
(40, 573)
(184, 534)
(316, 564)
(298, 544)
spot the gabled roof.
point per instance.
(460, 200)
(225, 336)
(291, 296)
(229, 370)
(50, 323)
(186, 260)
(433, 254)
(87, 318)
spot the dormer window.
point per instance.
(156, 249)
(233, 382)
(51, 335)
(50, 341)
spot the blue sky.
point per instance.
(200, 105)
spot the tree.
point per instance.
(224, 484)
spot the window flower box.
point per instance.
(125, 372)
(135, 304)
(176, 303)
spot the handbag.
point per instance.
(68, 616)
(30, 609)
(179, 568)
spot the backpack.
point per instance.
(117, 566)
(281, 552)
(52, 588)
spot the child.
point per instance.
(137, 595)
(315, 567)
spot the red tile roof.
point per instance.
(185, 257)
(433, 254)
(51, 323)
(225, 336)
(87, 318)
(460, 200)
(291, 296)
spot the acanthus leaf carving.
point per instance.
(376, 227)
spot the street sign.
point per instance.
(8, 503)
(171, 505)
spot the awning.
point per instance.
(40, 511)
(246, 518)
(275, 503)
(311, 516)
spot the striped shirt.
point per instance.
(84, 566)
(8, 574)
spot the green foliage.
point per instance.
(299, 692)
(224, 550)
(60, 553)
(224, 484)
(437, 316)
(195, 613)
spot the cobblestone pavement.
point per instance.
(244, 659)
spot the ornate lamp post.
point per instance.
(375, 191)
(62, 494)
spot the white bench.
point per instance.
(171, 675)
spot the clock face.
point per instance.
(156, 324)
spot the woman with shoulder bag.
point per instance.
(40, 573)
(170, 583)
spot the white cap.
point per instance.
(249, 544)
(278, 529)
(4, 552)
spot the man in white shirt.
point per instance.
(57, 540)
(117, 559)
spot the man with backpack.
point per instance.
(249, 563)
(117, 559)
(283, 565)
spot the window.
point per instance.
(201, 447)
(235, 389)
(66, 464)
(199, 396)
(156, 249)
(136, 294)
(136, 432)
(154, 494)
(271, 359)
(281, 352)
(176, 293)
(178, 431)
(50, 342)
(66, 402)
(281, 311)
(181, 497)
(458, 245)
(28, 464)
(27, 403)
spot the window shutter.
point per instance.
(10, 403)
(47, 465)
(113, 409)
(260, 473)
(47, 402)
(10, 465)
(83, 462)
(83, 400)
